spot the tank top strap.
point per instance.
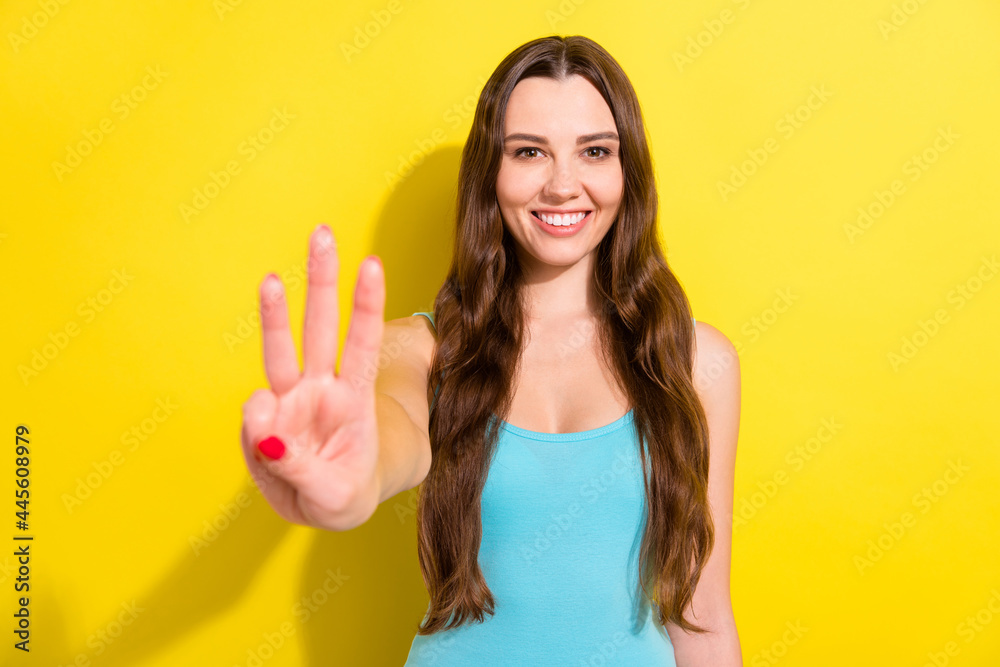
(430, 316)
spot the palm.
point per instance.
(327, 420)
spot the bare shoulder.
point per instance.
(410, 339)
(716, 362)
(404, 362)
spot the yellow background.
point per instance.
(181, 329)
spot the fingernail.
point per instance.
(272, 447)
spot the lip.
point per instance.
(552, 230)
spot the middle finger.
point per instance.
(320, 331)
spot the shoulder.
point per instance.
(716, 371)
(711, 346)
(403, 365)
(410, 340)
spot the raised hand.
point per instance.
(318, 426)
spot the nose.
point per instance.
(564, 181)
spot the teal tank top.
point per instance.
(563, 516)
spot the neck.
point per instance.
(558, 293)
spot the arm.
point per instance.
(401, 407)
(711, 606)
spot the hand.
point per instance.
(327, 476)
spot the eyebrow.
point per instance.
(584, 139)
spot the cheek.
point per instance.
(506, 187)
(607, 189)
(516, 186)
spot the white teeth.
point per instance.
(562, 220)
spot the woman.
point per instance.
(559, 342)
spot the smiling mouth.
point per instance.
(561, 220)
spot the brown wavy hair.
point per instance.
(644, 326)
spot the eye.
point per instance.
(602, 151)
(521, 151)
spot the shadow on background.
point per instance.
(415, 233)
(362, 594)
(198, 588)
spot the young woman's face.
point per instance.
(560, 165)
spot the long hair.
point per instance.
(644, 327)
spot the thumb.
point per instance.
(259, 413)
(270, 452)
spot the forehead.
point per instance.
(570, 107)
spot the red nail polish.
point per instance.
(272, 447)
